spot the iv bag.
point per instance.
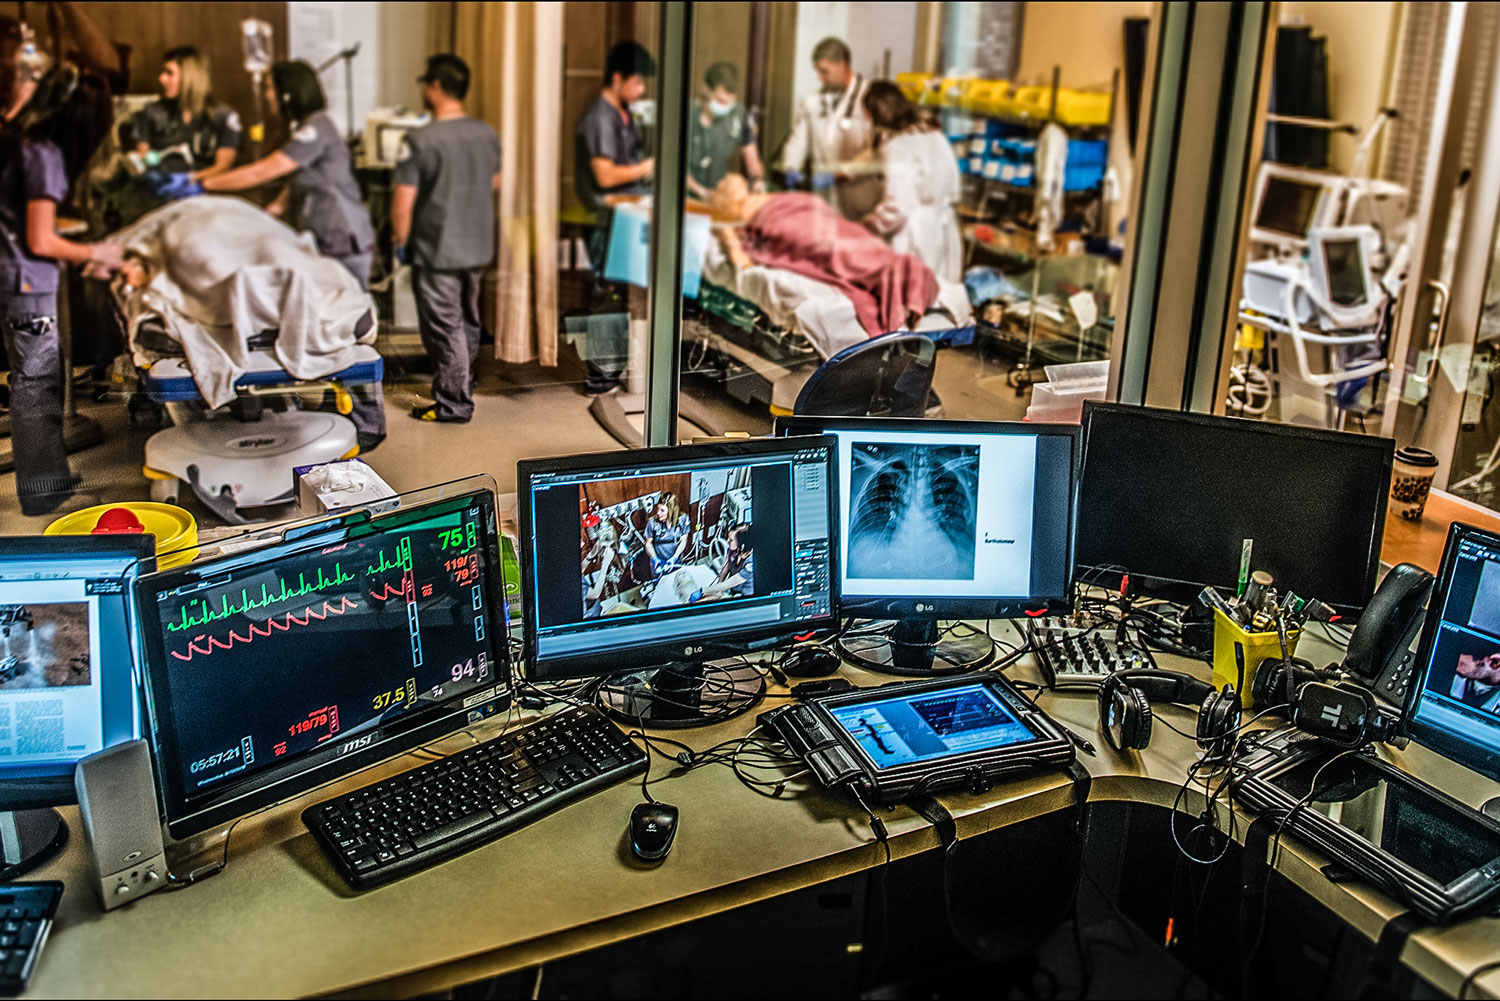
(256, 41)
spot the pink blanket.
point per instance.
(802, 233)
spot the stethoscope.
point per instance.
(845, 106)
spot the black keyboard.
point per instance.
(26, 912)
(430, 814)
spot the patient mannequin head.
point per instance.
(135, 272)
(733, 201)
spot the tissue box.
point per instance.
(333, 486)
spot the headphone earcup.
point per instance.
(1137, 719)
(1218, 718)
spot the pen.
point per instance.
(1081, 744)
(1239, 663)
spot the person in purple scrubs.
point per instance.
(42, 150)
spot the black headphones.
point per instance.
(1125, 707)
(1269, 688)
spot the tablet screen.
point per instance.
(1427, 833)
(926, 726)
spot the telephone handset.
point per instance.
(1380, 654)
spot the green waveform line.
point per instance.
(207, 613)
(403, 559)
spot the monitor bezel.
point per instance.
(1185, 591)
(35, 786)
(899, 607)
(1328, 185)
(725, 643)
(1463, 752)
(188, 815)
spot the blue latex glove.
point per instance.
(402, 254)
(793, 178)
(174, 186)
(822, 181)
(695, 596)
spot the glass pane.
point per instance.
(1330, 214)
(860, 172)
(517, 319)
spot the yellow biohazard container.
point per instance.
(1259, 647)
(175, 529)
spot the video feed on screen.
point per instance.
(648, 543)
(1466, 668)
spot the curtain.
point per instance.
(515, 53)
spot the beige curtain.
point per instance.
(515, 52)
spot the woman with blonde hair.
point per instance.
(186, 116)
(667, 534)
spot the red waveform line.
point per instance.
(386, 591)
(214, 643)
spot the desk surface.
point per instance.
(278, 922)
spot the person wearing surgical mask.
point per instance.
(721, 126)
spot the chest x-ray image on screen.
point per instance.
(912, 505)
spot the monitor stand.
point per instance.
(915, 648)
(682, 694)
(29, 838)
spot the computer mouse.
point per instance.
(653, 826)
(809, 662)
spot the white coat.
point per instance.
(916, 214)
(831, 130)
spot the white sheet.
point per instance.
(223, 271)
(820, 312)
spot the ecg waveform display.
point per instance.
(320, 645)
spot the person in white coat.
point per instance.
(916, 214)
(831, 132)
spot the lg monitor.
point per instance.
(947, 520)
(671, 558)
(1454, 705)
(67, 675)
(1177, 501)
(341, 643)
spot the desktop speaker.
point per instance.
(121, 825)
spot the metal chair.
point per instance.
(885, 376)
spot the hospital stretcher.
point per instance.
(230, 463)
(814, 321)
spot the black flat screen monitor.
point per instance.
(1454, 705)
(1173, 499)
(950, 519)
(67, 677)
(271, 671)
(642, 558)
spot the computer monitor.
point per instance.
(1291, 201)
(1175, 499)
(660, 557)
(341, 643)
(67, 676)
(948, 520)
(1454, 704)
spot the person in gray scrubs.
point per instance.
(41, 150)
(321, 197)
(609, 158)
(443, 219)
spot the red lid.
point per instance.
(118, 521)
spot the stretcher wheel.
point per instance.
(343, 402)
(166, 491)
